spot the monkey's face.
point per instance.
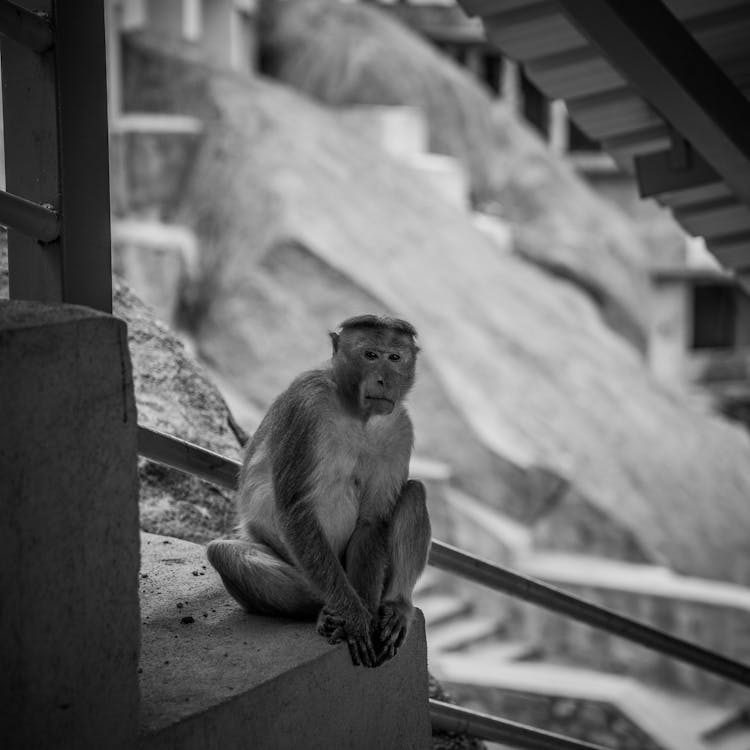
(374, 369)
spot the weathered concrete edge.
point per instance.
(315, 698)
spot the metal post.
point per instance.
(27, 28)
(56, 153)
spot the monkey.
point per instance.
(330, 525)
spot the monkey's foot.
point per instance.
(394, 618)
(354, 629)
(330, 626)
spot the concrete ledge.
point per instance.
(223, 678)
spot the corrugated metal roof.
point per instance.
(565, 64)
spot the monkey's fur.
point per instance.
(330, 524)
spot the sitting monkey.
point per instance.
(331, 526)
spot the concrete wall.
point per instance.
(69, 550)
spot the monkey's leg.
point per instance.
(261, 581)
(409, 545)
(366, 560)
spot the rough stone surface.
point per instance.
(214, 676)
(175, 395)
(69, 536)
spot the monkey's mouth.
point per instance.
(378, 405)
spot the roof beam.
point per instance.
(665, 172)
(658, 56)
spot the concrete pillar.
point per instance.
(510, 88)
(558, 130)
(69, 546)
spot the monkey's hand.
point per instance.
(352, 624)
(394, 619)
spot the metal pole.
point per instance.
(495, 577)
(56, 152)
(81, 70)
(192, 459)
(452, 718)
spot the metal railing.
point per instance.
(454, 560)
(32, 30)
(187, 457)
(450, 718)
(28, 217)
(56, 152)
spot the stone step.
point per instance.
(211, 675)
(455, 635)
(674, 722)
(504, 650)
(439, 608)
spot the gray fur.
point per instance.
(329, 523)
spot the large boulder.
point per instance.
(302, 222)
(357, 54)
(174, 394)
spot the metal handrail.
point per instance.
(190, 458)
(454, 560)
(187, 457)
(31, 218)
(25, 27)
(460, 720)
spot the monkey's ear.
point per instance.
(334, 340)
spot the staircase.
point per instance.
(507, 660)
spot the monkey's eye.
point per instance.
(394, 357)
(371, 355)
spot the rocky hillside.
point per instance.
(301, 222)
(355, 54)
(174, 395)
